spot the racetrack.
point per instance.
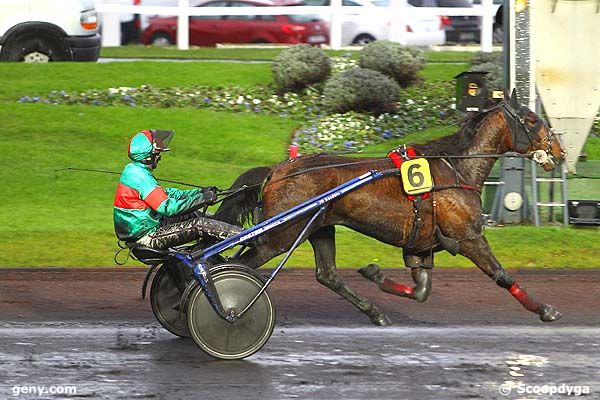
(90, 329)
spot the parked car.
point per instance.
(210, 30)
(361, 29)
(39, 31)
(459, 29)
(132, 25)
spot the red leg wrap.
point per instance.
(523, 298)
(399, 289)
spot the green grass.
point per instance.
(39, 79)
(249, 54)
(65, 218)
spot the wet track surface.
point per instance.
(90, 329)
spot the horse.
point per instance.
(448, 218)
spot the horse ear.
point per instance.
(514, 100)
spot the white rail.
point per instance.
(398, 8)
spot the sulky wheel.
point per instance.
(236, 286)
(165, 294)
(168, 286)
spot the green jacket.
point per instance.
(140, 201)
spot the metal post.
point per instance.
(565, 191)
(398, 28)
(183, 26)
(534, 194)
(335, 30)
(111, 30)
(487, 26)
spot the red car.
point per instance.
(210, 30)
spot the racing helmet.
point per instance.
(146, 146)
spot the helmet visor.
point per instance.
(162, 138)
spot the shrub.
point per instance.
(494, 79)
(481, 58)
(492, 64)
(401, 63)
(360, 89)
(300, 66)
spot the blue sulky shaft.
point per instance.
(294, 212)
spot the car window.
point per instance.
(441, 3)
(349, 3)
(241, 17)
(304, 18)
(211, 4)
(314, 3)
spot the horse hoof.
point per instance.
(372, 273)
(549, 313)
(381, 320)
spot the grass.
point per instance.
(65, 218)
(249, 54)
(39, 79)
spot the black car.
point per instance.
(460, 29)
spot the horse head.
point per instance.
(530, 134)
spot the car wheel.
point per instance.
(363, 39)
(161, 39)
(33, 49)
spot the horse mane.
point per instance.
(455, 143)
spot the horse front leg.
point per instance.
(421, 271)
(478, 251)
(323, 244)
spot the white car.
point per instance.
(42, 31)
(361, 29)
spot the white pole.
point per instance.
(335, 29)
(487, 26)
(398, 21)
(183, 26)
(111, 30)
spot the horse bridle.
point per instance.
(522, 135)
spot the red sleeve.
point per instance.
(156, 197)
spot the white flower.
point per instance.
(256, 101)
(240, 99)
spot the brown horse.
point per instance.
(449, 218)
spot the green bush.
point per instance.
(360, 89)
(481, 58)
(401, 63)
(300, 66)
(492, 64)
(494, 78)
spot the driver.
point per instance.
(160, 218)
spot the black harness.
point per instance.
(522, 135)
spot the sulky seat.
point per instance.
(149, 255)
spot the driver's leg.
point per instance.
(183, 232)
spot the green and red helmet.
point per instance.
(145, 145)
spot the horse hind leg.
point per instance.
(479, 252)
(421, 271)
(323, 244)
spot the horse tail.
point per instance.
(239, 208)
